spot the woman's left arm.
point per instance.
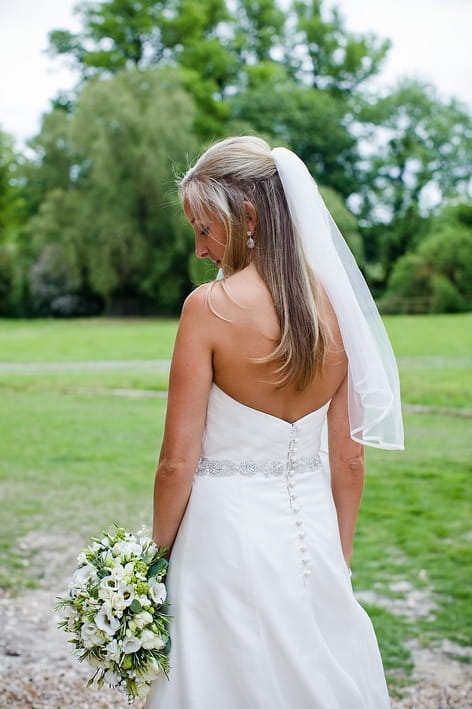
(191, 375)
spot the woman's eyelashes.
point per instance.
(204, 230)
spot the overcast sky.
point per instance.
(431, 40)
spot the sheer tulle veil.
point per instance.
(374, 391)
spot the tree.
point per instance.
(437, 275)
(219, 44)
(299, 116)
(116, 35)
(13, 249)
(326, 55)
(115, 223)
(414, 146)
(123, 34)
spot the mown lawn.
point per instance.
(77, 453)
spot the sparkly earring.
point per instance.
(250, 241)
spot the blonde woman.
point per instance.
(285, 346)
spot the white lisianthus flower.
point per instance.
(148, 640)
(130, 644)
(142, 619)
(98, 611)
(106, 621)
(108, 589)
(91, 636)
(123, 597)
(83, 574)
(117, 571)
(157, 591)
(111, 678)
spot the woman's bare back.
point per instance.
(244, 327)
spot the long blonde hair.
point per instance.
(241, 169)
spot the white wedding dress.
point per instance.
(264, 613)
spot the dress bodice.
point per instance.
(234, 431)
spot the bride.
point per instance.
(283, 353)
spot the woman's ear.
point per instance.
(251, 216)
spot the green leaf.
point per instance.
(135, 606)
(159, 565)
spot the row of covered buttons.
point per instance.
(293, 504)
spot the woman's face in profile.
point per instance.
(210, 237)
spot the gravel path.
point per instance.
(37, 670)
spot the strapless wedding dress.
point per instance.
(264, 616)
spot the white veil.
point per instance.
(374, 391)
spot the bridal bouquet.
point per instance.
(116, 611)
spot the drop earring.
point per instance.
(250, 241)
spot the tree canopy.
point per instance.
(89, 216)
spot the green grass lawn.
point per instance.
(74, 456)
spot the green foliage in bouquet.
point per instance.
(116, 610)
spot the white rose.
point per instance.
(106, 621)
(142, 619)
(127, 549)
(157, 591)
(130, 644)
(118, 571)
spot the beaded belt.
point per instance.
(215, 467)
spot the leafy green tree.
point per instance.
(260, 26)
(121, 34)
(13, 249)
(327, 55)
(115, 223)
(437, 275)
(415, 146)
(116, 34)
(219, 44)
(346, 221)
(299, 116)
